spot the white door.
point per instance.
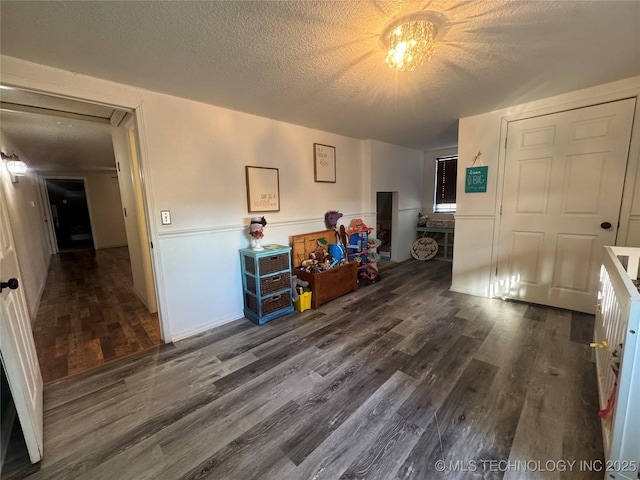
(47, 216)
(152, 301)
(563, 183)
(17, 347)
(138, 251)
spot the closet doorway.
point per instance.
(69, 213)
(385, 202)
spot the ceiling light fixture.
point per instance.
(15, 166)
(409, 40)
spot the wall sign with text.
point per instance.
(263, 189)
(476, 179)
(324, 163)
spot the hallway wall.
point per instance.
(106, 211)
(105, 206)
(27, 223)
(398, 169)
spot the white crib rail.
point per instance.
(617, 322)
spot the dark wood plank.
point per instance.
(536, 312)
(97, 314)
(438, 379)
(541, 434)
(582, 325)
(225, 463)
(384, 458)
(458, 415)
(374, 367)
(339, 450)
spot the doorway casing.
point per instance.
(133, 105)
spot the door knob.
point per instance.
(12, 284)
(605, 225)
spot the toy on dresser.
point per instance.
(329, 277)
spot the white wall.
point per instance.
(206, 195)
(193, 157)
(398, 169)
(27, 224)
(475, 249)
(633, 235)
(105, 208)
(430, 179)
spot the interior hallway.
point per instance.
(89, 314)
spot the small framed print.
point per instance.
(263, 189)
(324, 163)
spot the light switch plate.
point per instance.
(166, 217)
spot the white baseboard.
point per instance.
(115, 245)
(203, 327)
(34, 311)
(469, 291)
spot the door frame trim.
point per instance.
(129, 101)
(48, 216)
(148, 207)
(633, 163)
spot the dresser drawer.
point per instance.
(269, 284)
(274, 263)
(269, 304)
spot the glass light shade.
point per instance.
(409, 40)
(17, 167)
(410, 45)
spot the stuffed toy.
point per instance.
(331, 219)
(295, 283)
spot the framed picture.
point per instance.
(263, 189)
(324, 163)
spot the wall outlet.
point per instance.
(166, 217)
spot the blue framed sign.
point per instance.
(476, 179)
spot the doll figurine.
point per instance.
(256, 233)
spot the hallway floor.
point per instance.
(89, 314)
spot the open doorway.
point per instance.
(86, 305)
(95, 222)
(384, 222)
(70, 213)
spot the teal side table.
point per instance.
(266, 283)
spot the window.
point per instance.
(446, 174)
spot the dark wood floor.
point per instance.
(379, 384)
(89, 314)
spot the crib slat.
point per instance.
(632, 266)
(618, 322)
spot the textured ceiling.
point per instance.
(59, 134)
(320, 63)
(53, 144)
